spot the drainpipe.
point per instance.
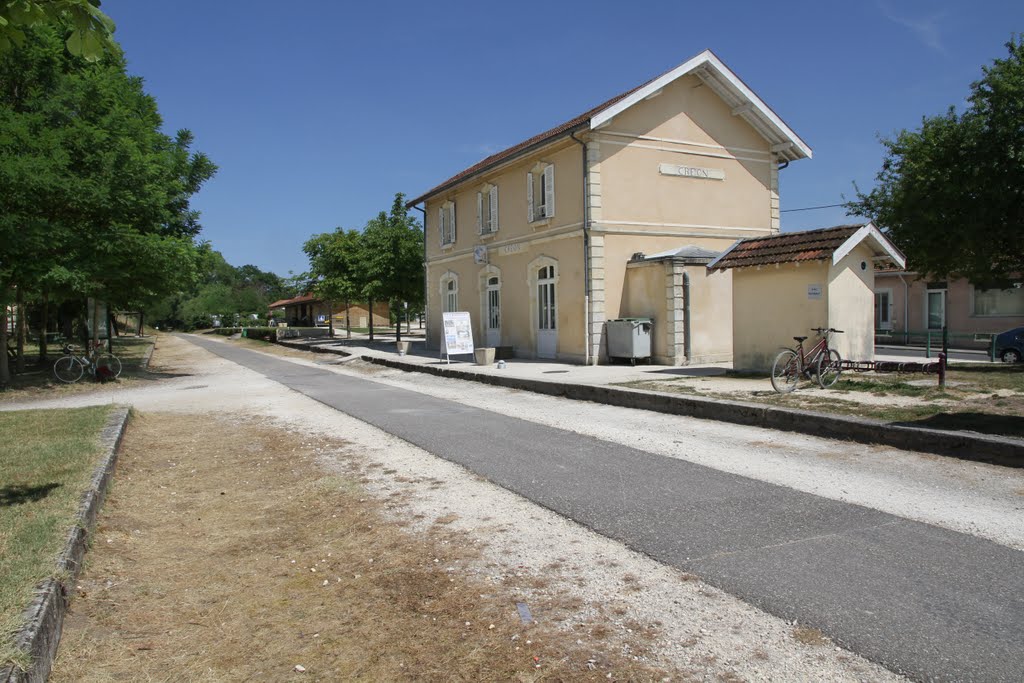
(426, 289)
(686, 317)
(906, 309)
(586, 255)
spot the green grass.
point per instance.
(49, 457)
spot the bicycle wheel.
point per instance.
(66, 369)
(785, 372)
(108, 365)
(830, 366)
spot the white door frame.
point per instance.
(545, 338)
(927, 307)
(490, 335)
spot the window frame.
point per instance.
(1017, 286)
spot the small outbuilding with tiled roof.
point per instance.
(784, 285)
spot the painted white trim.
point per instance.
(708, 61)
(688, 225)
(695, 153)
(692, 143)
(869, 231)
(721, 256)
(529, 241)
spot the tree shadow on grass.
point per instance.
(16, 495)
(997, 425)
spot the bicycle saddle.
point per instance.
(799, 339)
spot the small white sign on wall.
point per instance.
(692, 172)
(813, 292)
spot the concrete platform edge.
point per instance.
(45, 616)
(962, 445)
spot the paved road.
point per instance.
(920, 600)
(918, 353)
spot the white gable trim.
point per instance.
(881, 242)
(711, 266)
(730, 88)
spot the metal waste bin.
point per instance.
(629, 338)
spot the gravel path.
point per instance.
(696, 627)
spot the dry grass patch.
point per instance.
(810, 636)
(226, 552)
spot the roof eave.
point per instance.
(540, 144)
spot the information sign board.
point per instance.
(457, 335)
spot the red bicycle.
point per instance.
(821, 362)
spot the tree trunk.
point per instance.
(330, 320)
(19, 306)
(44, 326)
(142, 315)
(348, 318)
(5, 368)
(398, 324)
(371, 319)
(94, 329)
(110, 337)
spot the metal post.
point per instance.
(945, 341)
(942, 370)
(928, 345)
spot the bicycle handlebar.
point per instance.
(819, 330)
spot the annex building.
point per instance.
(611, 214)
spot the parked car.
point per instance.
(1010, 345)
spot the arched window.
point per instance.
(450, 292)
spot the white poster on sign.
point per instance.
(457, 335)
(813, 292)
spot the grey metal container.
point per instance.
(629, 338)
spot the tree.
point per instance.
(393, 258)
(335, 260)
(91, 31)
(951, 194)
(94, 198)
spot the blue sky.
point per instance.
(318, 112)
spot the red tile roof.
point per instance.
(547, 136)
(305, 298)
(787, 247)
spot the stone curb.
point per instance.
(148, 355)
(45, 616)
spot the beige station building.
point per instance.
(615, 213)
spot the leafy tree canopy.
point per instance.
(951, 194)
(90, 31)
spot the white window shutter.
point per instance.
(493, 199)
(529, 197)
(549, 190)
(480, 227)
(440, 223)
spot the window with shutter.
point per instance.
(480, 222)
(549, 190)
(531, 212)
(493, 205)
(540, 192)
(446, 219)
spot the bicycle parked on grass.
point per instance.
(101, 365)
(820, 362)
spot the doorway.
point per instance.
(493, 311)
(547, 327)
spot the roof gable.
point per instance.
(727, 85)
(705, 66)
(831, 244)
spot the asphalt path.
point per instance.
(923, 601)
